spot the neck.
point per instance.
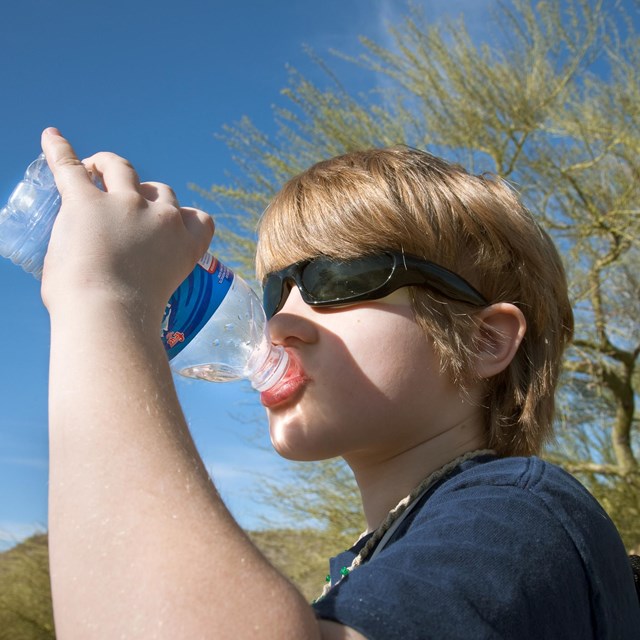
(383, 483)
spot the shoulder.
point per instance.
(516, 545)
(530, 523)
(512, 480)
(522, 472)
(523, 500)
(534, 504)
(537, 497)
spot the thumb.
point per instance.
(65, 166)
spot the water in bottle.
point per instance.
(214, 327)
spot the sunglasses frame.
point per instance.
(406, 270)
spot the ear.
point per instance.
(501, 328)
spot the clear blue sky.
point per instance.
(153, 81)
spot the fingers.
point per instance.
(200, 225)
(67, 170)
(116, 173)
(158, 192)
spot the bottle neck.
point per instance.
(272, 370)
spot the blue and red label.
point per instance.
(194, 302)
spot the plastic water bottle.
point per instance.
(214, 327)
(27, 219)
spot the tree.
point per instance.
(552, 104)
(26, 612)
(321, 513)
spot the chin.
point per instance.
(296, 452)
(294, 443)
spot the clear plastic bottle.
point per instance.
(214, 327)
(27, 218)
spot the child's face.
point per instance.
(370, 387)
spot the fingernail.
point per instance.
(52, 131)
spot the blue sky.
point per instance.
(154, 82)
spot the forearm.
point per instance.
(140, 542)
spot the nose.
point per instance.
(294, 321)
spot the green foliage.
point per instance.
(320, 516)
(26, 611)
(326, 498)
(551, 102)
(300, 554)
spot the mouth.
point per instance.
(293, 382)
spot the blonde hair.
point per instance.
(403, 199)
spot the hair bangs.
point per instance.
(341, 209)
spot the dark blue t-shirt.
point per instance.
(500, 548)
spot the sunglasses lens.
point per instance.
(324, 281)
(271, 294)
(328, 280)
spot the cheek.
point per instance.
(377, 373)
(396, 360)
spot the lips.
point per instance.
(293, 381)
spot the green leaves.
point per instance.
(26, 612)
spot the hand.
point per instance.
(131, 243)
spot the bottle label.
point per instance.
(194, 302)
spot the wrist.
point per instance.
(101, 304)
(96, 317)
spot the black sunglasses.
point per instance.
(328, 282)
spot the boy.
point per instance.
(426, 314)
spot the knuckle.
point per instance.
(107, 156)
(68, 161)
(132, 202)
(159, 190)
(103, 158)
(166, 189)
(100, 156)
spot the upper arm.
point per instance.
(330, 630)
